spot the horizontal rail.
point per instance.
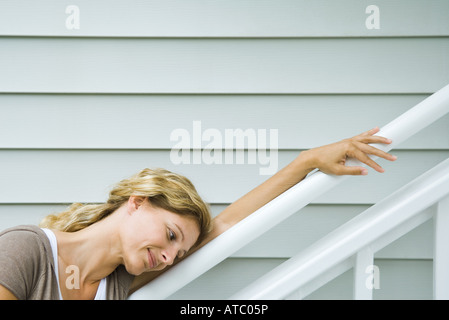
(352, 237)
(286, 204)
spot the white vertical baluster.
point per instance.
(363, 276)
(441, 251)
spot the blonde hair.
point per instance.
(163, 188)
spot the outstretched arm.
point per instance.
(329, 159)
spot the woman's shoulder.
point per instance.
(22, 233)
(24, 258)
(28, 240)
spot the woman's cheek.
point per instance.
(134, 264)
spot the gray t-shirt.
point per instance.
(27, 267)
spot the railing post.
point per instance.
(364, 274)
(441, 251)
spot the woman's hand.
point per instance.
(331, 158)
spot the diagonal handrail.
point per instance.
(352, 237)
(286, 204)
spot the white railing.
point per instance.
(354, 244)
(286, 204)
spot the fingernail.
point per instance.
(394, 157)
(364, 172)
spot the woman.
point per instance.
(106, 251)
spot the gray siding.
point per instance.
(82, 109)
(280, 66)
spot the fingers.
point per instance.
(361, 152)
(333, 157)
(369, 137)
(373, 139)
(353, 171)
(370, 132)
(363, 157)
(363, 149)
(375, 151)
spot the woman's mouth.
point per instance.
(151, 259)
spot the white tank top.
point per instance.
(101, 291)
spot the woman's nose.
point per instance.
(169, 255)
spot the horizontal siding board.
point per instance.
(405, 279)
(339, 288)
(64, 176)
(81, 65)
(147, 121)
(17, 214)
(231, 18)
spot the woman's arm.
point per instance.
(5, 294)
(329, 159)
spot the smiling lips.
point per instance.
(151, 259)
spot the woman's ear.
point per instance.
(134, 203)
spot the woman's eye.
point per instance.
(171, 235)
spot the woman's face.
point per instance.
(152, 237)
